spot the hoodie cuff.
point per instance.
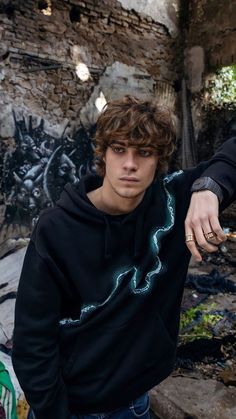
(207, 183)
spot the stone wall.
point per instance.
(164, 12)
(210, 38)
(212, 25)
(209, 29)
(98, 34)
(59, 62)
(210, 41)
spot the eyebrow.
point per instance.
(118, 142)
(123, 144)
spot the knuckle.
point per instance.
(202, 243)
(196, 220)
(192, 224)
(187, 221)
(215, 221)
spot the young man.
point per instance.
(98, 304)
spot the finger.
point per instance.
(190, 243)
(216, 228)
(208, 230)
(201, 240)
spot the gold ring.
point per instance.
(209, 235)
(189, 238)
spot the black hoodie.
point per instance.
(97, 311)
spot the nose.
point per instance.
(130, 160)
(32, 204)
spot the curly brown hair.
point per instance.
(141, 122)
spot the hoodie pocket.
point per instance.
(133, 347)
(93, 350)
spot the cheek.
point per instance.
(153, 166)
(151, 171)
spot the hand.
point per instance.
(202, 218)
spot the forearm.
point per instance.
(222, 169)
(202, 227)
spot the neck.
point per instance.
(111, 203)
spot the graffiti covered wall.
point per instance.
(34, 173)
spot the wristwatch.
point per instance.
(207, 183)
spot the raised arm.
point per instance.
(202, 227)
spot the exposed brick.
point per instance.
(115, 20)
(135, 18)
(50, 37)
(105, 14)
(145, 26)
(84, 19)
(92, 13)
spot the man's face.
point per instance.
(129, 169)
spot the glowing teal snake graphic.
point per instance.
(156, 237)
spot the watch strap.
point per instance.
(207, 183)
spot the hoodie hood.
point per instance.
(75, 201)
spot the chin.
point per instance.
(128, 193)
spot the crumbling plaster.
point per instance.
(118, 79)
(162, 11)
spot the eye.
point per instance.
(145, 153)
(36, 193)
(117, 149)
(64, 167)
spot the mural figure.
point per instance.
(34, 174)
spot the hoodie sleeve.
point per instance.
(35, 341)
(222, 169)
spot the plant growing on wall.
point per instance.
(220, 89)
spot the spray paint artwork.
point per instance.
(34, 174)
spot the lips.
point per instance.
(129, 179)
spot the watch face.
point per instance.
(199, 183)
(207, 183)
